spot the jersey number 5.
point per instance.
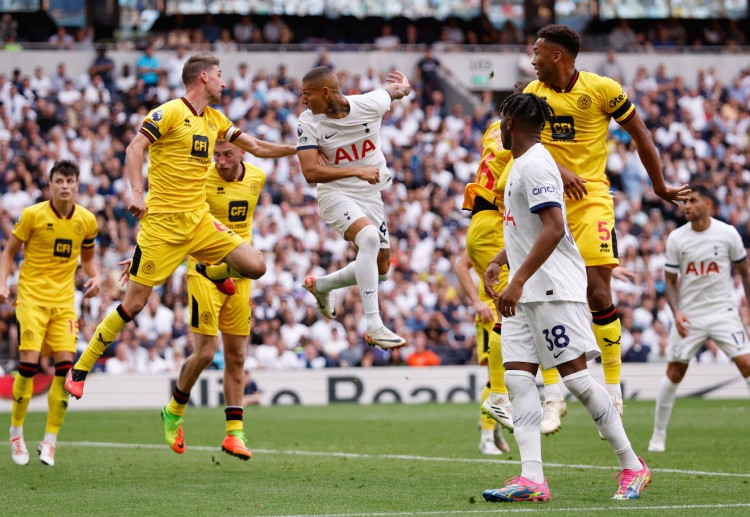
(604, 233)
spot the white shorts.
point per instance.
(725, 328)
(549, 333)
(341, 210)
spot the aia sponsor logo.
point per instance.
(702, 268)
(508, 218)
(354, 152)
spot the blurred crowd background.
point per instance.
(702, 133)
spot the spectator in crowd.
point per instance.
(103, 66)
(422, 355)
(252, 394)
(387, 40)
(61, 39)
(243, 30)
(611, 68)
(148, 67)
(622, 37)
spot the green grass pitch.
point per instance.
(379, 460)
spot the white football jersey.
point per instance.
(352, 141)
(703, 262)
(534, 183)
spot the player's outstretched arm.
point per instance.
(315, 172)
(90, 266)
(262, 148)
(397, 85)
(553, 229)
(134, 173)
(650, 159)
(6, 259)
(462, 268)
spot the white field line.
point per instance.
(400, 457)
(537, 508)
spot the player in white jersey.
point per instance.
(346, 130)
(701, 254)
(545, 314)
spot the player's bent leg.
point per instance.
(246, 261)
(634, 475)
(366, 271)
(105, 333)
(224, 284)
(322, 299)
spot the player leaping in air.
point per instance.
(346, 129)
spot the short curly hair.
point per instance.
(561, 35)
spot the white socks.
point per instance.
(598, 403)
(614, 390)
(50, 438)
(664, 404)
(527, 418)
(344, 277)
(15, 432)
(366, 271)
(552, 392)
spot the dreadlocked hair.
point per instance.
(527, 107)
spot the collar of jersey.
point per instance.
(571, 84)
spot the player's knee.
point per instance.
(599, 296)
(205, 356)
(255, 270)
(368, 239)
(133, 307)
(27, 369)
(676, 372)
(579, 384)
(743, 364)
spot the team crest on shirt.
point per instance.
(211, 125)
(149, 267)
(157, 115)
(78, 229)
(254, 188)
(584, 102)
(28, 335)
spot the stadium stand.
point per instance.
(701, 126)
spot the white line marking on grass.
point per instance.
(536, 508)
(355, 455)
